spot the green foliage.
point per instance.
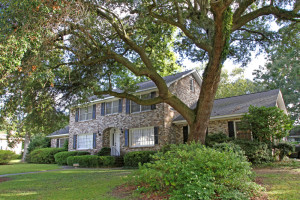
(105, 151)
(196, 172)
(6, 156)
(225, 147)
(44, 155)
(256, 152)
(267, 124)
(66, 145)
(37, 142)
(285, 149)
(61, 157)
(215, 138)
(132, 159)
(91, 161)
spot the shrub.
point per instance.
(216, 138)
(285, 149)
(256, 152)
(105, 151)
(61, 157)
(6, 156)
(132, 159)
(84, 161)
(66, 145)
(229, 147)
(44, 155)
(38, 142)
(196, 172)
(107, 161)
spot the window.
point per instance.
(138, 108)
(61, 142)
(142, 137)
(239, 132)
(192, 86)
(112, 107)
(85, 141)
(86, 113)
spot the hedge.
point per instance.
(44, 155)
(6, 156)
(105, 151)
(132, 159)
(91, 161)
(61, 157)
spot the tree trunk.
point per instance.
(26, 144)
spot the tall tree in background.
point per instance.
(92, 47)
(235, 84)
(283, 69)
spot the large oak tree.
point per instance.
(93, 47)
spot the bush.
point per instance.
(229, 147)
(196, 172)
(61, 157)
(107, 161)
(285, 149)
(66, 145)
(216, 138)
(6, 156)
(44, 155)
(84, 161)
(132, 159)
(105, 151)
(256, 152)
(38, 142)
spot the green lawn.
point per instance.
(67, 184)
(16, 167)
(282, 180)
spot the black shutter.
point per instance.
(126, 137)
(102, 109)
(94, 111)
(153, 106)
(76, 114)
(74, 141)
(57, 143)
(94, 140)
(120, 105)
(231, 129)
(127, 106)
(207, 131)
(156, 135)
(185, 131)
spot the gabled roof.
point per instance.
(60, 132)
(150, 85)
(238, 105)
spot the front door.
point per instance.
(115, 142)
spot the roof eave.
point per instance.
(56, 136)
(214, 118)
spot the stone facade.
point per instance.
(160, 117)
(53, 141)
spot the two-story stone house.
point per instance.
(125, 126)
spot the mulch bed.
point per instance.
(2, 179)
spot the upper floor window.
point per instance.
(137, 107)
(192, 84)
(86, 113)
(112, 107)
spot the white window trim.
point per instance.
(78, 142)
(85, 119)
(59, 142)
(140, 110)
(130, 137)
(113, 113)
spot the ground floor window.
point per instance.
(240, 133)
(61, 142)
(85, 141)
(140, 137)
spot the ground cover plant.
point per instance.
(200, 173)
(25, 167)
(66, 184)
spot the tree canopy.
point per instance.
(82, 48)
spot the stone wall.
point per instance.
(53, 141)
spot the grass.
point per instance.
(281, 179)
(17, 167)
(67, 184)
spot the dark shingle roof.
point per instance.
(60, 132)
(240, 104)
(150, 84)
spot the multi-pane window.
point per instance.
(192, 85)
(241, 133)
(140, 137)
(85, 141)
(86, 113)
(137, 107)
(112, 107)
(61, 142)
